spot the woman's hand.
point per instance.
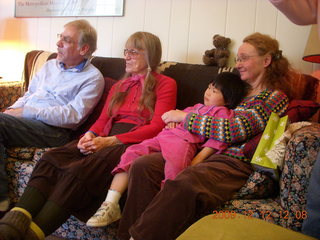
(98, 143)
(173, 116)
(87, 137)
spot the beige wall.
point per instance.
(185, 28)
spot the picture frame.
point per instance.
(68, 8)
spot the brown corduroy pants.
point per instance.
(152, 214)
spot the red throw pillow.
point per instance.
(301, 110)
(251, 145)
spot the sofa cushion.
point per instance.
(225, 225)
(258, 186)
(21, 153)
(301, 110)
(19, 169)
(301, 153)
(267, 209)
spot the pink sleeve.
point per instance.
(301, 12)
(225, 113)
(192, 108)
(166, 100)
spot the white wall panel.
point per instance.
(185, 27)
(241, 20)
(178, 39)
(293, 39)
(105, 28)
(46, 38)
(266, 18)
(133, 21)
(157, 21)
(35, 36)
(207, 18)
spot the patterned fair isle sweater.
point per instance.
(250, 118)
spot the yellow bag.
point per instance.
(276, 126)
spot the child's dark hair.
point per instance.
(232, 88)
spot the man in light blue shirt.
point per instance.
(59, 98)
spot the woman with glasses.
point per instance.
(72, 180)
(200, 189)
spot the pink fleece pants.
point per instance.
(176, 151)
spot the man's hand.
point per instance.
(173, 116)
(15, 112)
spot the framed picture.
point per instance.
(68, 8)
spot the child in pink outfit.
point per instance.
(178, 146)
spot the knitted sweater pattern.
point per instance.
(250, 118)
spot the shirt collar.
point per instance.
(77, 68)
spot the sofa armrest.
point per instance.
(301, 153)
(9, 93)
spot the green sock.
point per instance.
(32, 200)
(51, 217)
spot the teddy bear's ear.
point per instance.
(216, 36)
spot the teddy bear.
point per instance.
(219, 55)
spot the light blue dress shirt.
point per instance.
(62, 97)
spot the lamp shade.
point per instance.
(312, 50)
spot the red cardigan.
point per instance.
(166, 95)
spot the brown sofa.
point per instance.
(253, 199)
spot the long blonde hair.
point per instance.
(151, 46)
(279, 74)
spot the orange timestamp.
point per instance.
(264, 214)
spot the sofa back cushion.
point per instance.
(192, 80)
(110, 67)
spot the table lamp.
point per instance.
(312, 49)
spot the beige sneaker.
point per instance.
(106, 214)
(4, 205)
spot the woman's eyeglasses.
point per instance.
(131, 53)
(243, 58)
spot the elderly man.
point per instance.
(59, 99)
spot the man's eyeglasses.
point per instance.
(243, 58)
(64, 39)
(131, 53)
